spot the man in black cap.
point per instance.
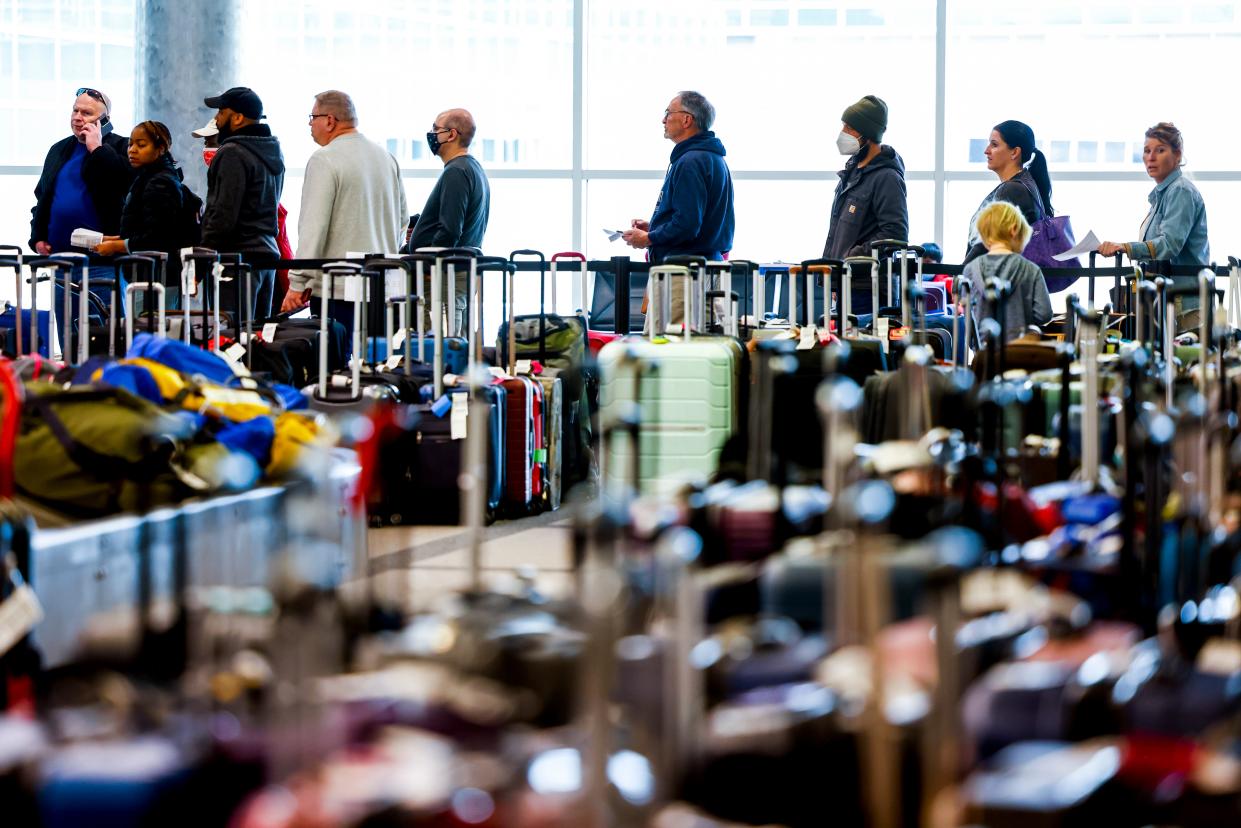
(244, 183)
(870, 200)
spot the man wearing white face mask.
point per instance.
(870, 200)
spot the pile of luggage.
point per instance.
(837, 571)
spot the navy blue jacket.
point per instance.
(694, 214)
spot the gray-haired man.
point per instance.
(694, 213)
(353, 200)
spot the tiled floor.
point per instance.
(419, 564)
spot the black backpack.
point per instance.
(190, 219)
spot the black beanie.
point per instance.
(869, 116)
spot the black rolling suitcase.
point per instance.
(346, 392)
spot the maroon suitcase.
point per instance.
(518, 445)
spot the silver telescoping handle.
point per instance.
(421, 277)
(330, 271)
(1139, 310)
(474, 318)
(450, 298)
(132, 289)
(758, 298)
(437, 328)
(1206, 305)
(84, 317)
(906, 313)
(847, 287)
(1089, 330)
(874, 287)
(186, 265)
(660, 296)
(728, 323)
(687, 305)
(79, 261)
(510, 285)
(34, 313)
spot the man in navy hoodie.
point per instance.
(694, 213)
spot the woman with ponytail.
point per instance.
(1024, 181)
(151, 216)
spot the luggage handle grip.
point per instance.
(584, 284)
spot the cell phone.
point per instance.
(104, 121)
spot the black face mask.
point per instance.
(433, 141)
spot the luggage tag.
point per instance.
(19, 614)
(232, 357)
(809, 337)
(460, 415)
(524, 366)
(394, 361)
(441, 406)
(269, 332)
(881, 331)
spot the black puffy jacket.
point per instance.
(244, 183)
(152, 216)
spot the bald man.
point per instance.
(455, 214)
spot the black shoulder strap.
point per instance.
(1027, 181)
(101, 465)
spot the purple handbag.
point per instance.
(1051, 235)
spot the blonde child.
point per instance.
(1005, 232)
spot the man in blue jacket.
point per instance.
(694, 213)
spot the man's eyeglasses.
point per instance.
(668, 112)
(312, 115)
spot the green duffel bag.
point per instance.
(92, 452)
(564, 346)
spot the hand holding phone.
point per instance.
(92, 135)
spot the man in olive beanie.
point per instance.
(870, 200)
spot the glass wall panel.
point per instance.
(779, 81)
(507, 61)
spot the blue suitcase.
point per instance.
(8, 330)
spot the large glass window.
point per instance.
(48, 48)
(507, 61)
(1088, 75)
(779, 75)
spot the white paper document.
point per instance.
(85, 238)
(1091, 242)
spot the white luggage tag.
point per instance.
(19, 613)
(232, 356)
(460, 415)
(809, 337)
(269, 332)
(881, 331)
(394, 361)
(189, 274)
(524, 366)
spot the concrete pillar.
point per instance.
(186, 51)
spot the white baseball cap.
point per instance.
(207, 130)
